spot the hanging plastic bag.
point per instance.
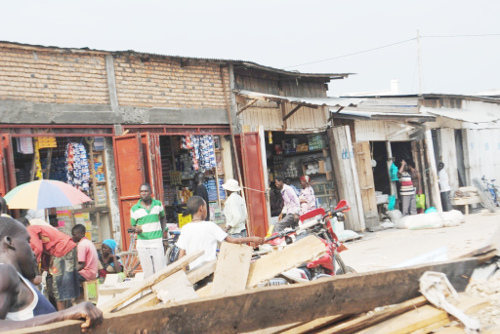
(420, 198)
(392, 202)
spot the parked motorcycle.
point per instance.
(321, 224)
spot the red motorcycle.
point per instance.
(321, 224)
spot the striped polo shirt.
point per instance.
(406, 185)
(149, 222)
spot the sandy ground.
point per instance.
(383, 249)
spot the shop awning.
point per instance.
(380, 115)
(305, 101)
(465, 115)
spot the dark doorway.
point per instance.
(380, 172)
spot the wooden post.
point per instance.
(436, 196)
(49, 163)
(425, 179)
(231, 124)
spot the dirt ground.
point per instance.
(384, 249)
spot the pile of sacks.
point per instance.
(427, 220)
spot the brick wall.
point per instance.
(52, 75)
(164, 82)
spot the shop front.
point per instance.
(75, 155)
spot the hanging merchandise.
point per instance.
(47, 142)
(202, 151)
(77, 166)
(38, 173)
(25, 144)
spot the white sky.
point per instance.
(283, 33)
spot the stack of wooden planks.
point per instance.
(233, 303)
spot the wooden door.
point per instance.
(346, 177)
(253, 176)
(366, 183)
(130, 174)
(7, 167)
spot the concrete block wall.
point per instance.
(46, 75)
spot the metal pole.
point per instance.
(419, 64)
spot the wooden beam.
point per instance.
(272, 306)
(246, 106)
(174, 288)
(272, 264)
(233, 265)
(332, 116)
(293, 111)
(149, 282)
(197, 274)
(364, 321)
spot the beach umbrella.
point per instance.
(44, 194)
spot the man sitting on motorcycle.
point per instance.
(291, 206)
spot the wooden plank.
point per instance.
(197, 274)
(272, 264)
(356, 324)
(452, 330)
(293, 111)
(146, 301)
(315, 324)
(272, 306)
(344, 166)
(408, 322)
(174, 288)
(205, 291)
(433, 178)
(366, 183)
(149, 282)
(232, 270)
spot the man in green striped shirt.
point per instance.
(147, 218)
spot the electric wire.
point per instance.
(387, 46)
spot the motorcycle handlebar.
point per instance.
(335, 211)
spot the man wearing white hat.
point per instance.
(235, 210)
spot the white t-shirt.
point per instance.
(444, 185)
(204, 236)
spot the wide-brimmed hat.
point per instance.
(231, 185)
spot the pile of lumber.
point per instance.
(234, 302)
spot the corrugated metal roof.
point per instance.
(351, 114)
(465, 115)
(239, 62)
(307, 101)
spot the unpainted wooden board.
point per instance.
(174, 288)
(409, 322)
(273, 330)
(274, 263)
(315, 324)
(233, 265)
(451, 330)
(149, 282)
(366, 320)
(205, 291)
(146, 301)
(256, 309)
(197, 274)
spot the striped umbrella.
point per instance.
(44, 194)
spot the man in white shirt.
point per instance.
(235, 210)
(444, 188)
(204, 235)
